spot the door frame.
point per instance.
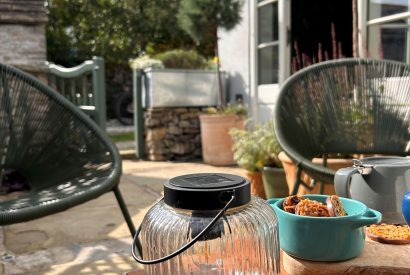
(266, 94)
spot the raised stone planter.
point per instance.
(172, 133)
(167, 103)
(181, 87)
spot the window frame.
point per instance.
(270, 44)
(365, 24)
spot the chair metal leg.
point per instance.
(321, 187)
(124, 210)
(297, 181)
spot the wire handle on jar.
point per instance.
(137, 255)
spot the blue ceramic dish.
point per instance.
(406, 207)
(324, 238)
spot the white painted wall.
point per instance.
(267, 96)
(238, 58)
(234, 56)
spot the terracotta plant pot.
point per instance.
(256, 181)
(274, 182)
(291, 169)
(216, 141)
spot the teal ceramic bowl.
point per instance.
(324, 238)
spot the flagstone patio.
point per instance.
(92, 238)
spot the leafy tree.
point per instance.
(79, 29)
(116, 30)
(201, 19)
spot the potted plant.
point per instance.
(334, 162)
(249, 155)
(273, 174)
(215, 126)
(256, 150)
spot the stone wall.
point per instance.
(23, 35)
(172, 133)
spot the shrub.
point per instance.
(230, 109)
(144, 62)
(182, 59)
(256, 147)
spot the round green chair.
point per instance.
(66, 158)
(345, 106)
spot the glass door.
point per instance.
(272, 54)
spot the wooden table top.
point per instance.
(376, 258)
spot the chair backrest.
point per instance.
(346, 106)
(49, 144)
(83, 85)
(42, 133)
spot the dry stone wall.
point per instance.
(173, 133)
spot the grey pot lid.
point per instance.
(382, 161)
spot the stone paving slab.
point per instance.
(92, 238)
(111, 256)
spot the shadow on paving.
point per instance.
(91, 238)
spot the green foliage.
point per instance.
(230, 109)
(78, 29)
(270, 145)
(182, 59)
(144, 62)
(212, 64)
(201, 18)
(256, 147)
(115, 30)
(122, 137)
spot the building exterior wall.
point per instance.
(234, 56)
(23, 46)
(238, 57)
(23, 35)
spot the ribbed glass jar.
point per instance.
(243, 241)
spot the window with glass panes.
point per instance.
(268, 42)
(388, 29)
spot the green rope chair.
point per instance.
(66, 158)
(345, 106)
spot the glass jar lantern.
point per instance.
(209, 224)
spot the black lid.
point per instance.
(206, 191)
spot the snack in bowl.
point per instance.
(335, 206)
(389, 233)
(324, 238)
(289, 204)
(311, 208)
(306, 207)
